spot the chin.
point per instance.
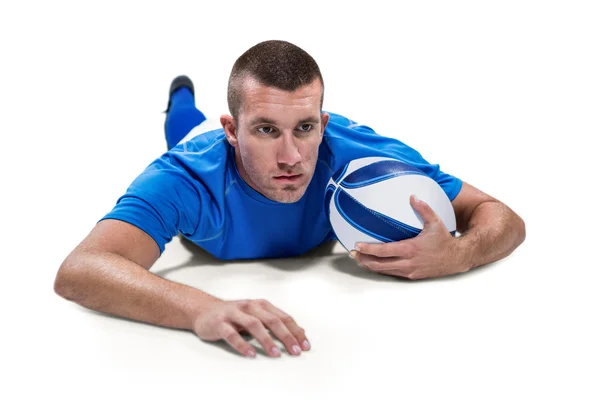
(289, 200)
(288, 196)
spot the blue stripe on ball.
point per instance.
(338, 175)
(377, 172)
(410, 230)
(368, 221)
(328, 193)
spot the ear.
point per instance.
(324, 122)
(228, 124)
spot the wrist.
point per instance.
(464, 253)
(202, 302)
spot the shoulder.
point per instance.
(341, 127)
(339, 120)
(180, 191)
(193, 166)
(345, 140)
(202, 157)
(212, 143)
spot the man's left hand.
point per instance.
(432, 253)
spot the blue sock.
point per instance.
(182, 117)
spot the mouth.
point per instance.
(287, 178)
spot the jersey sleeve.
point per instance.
(348, 140)
(162, 201)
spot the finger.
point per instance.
(231, 336)
(401, 249)
(426, 212)
(377, 264)
(277, 327)
(291, 324)
(255, 327)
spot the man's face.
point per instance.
(277, 138)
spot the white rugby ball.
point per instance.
(368, 200)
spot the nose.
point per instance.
(289, 153)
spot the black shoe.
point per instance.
(178, 83)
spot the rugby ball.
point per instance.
(368, 200)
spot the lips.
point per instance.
(287, 178)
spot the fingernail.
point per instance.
(416, 198)
(251, 353)
(275, 352)
(357, 246)
(353, 254)
(296, 349)
(306, 345)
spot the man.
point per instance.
(255, 188)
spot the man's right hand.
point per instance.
(225, 320)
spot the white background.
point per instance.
(505, 95)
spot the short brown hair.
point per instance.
(273, 63)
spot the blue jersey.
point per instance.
(195, 189)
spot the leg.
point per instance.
(182, 114)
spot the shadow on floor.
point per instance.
(340, 261)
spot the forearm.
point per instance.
(494, 231)
(112, 284)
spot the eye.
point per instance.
(305, 127)
(268, 129)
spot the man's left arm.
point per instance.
(489, 229)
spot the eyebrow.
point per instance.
(263, 120)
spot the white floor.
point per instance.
(503, 96)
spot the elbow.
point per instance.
(65, 283)
(62, 280)
(521, 231)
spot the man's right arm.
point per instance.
(108, 272)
